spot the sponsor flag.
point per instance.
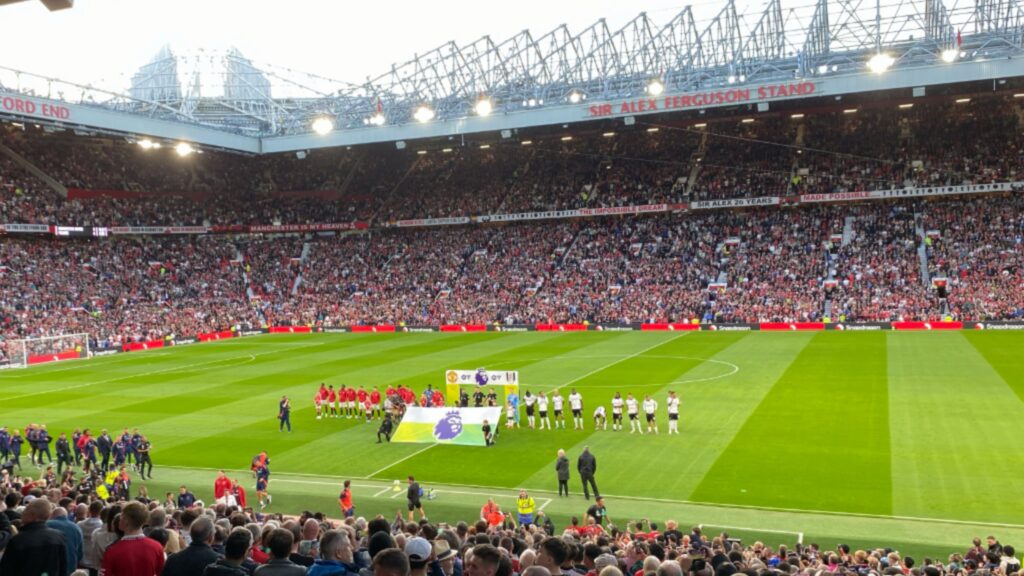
(447, 425)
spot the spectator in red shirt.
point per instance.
(221, 488)
(134, 554)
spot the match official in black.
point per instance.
(586, 465)
(385, 428)
(63, 453)
(142, 455)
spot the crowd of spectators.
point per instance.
(878, 273)
(763, 264)
(119, 291)
(977, 245)
(65, 529)
(858, 262)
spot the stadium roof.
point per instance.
(554, 77)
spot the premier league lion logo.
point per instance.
(449, 427)
(481, 377)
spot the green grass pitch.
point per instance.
(871, 438)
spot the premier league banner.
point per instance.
(448, 425)
(482, 377)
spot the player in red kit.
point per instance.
(362, 396)
(425, 399)
(438, 399)
(375, 400)
(350, 398)
(332, 399)
(342, 401)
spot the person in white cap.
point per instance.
(420, 553)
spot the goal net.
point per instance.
(30, 351)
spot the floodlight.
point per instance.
(575, 97)
(483, 107)
(880, 62)
(323, 125)
(184, 149)
(424, 114)
(655, 88)
(377, 119)
(949, 56)
(145, 143)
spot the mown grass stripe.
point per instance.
(956, 431)
(820, 437)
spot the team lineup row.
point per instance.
(350, 403)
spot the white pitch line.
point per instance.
(545, 504)
(799, 535)
(102, 360)
(922, 519)
(399, 461)
(623, 359)
(545, 501)
(249, 357)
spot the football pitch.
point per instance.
(906, 439)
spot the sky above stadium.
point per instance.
(102, 42)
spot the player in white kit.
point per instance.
(530, 401)
(576, 404)
(557, 402)
(633, 410)
(617, 404)
(600, 420)
(542, 408)
(673, 413)
(650, 408)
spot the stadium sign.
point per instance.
(859, 327)
(26, 228)
(274, 228)
(16, 104)
(617, 210)
(454, 221)
(735, 203)
(158, 230)
(728, 327)
(999, 326)
(912, 192)
(703, 99)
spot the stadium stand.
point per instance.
(873, 261)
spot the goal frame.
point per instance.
(20, 351)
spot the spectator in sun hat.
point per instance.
(445, 557)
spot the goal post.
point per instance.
(31, 351)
